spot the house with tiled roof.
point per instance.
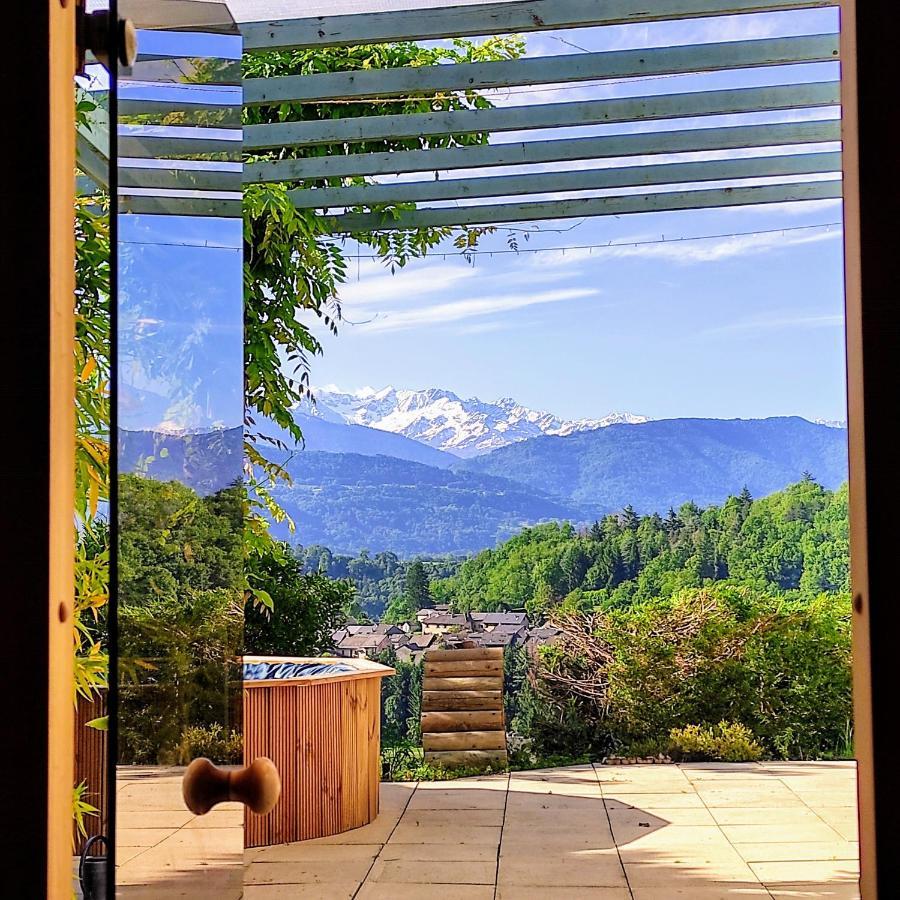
(538, 637)
(443, 623)
(362, 645)
(413, 649)
(503, 636)
(429, 611)
(488, 621)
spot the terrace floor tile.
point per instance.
(784, 831)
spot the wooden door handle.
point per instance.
(257, 786)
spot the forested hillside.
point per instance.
(395, 494)
(792, 542)
(706, 634)
(377, 578)
(348, 501)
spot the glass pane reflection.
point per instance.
(179, 450)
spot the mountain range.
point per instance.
(358, 485)
(655, 465)
(443, 420)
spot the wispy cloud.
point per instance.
(375, 286)
(690, 251)
(762, 324)
(483, 327)
(460, 310)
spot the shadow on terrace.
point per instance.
(698, 831)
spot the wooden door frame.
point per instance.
(873, 366)
(38, 404)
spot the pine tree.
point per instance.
(672, 523)
(417, 590)
(630, 519)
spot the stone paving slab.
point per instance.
(757, 831)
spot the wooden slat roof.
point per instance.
(314, 155)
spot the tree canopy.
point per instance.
(793, 542)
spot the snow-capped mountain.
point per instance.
(445, 421)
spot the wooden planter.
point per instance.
(90, 765)
(323, 733)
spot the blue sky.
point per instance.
(180, 323)
(180, 282)
(741, 325)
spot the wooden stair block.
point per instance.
(470, 667)
(464, 655)
(451, 701)
(465, 740)
(454, 758)
(481, 720)
(463, 683)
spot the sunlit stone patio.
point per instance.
(698, 832)
(693, 831)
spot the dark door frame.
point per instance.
(38, 283)
(38, 483)
(873, 362)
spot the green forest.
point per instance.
(377, 578)
(793, 543)
(716, 633)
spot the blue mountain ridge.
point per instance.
(356, 487)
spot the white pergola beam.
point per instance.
(663, 201)
(579, 180)
(547, 115)
(490, 18)
(573, 68)
(482, 156)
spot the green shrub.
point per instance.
(622, 678)
(565, 727)
(406, 762)
(213, 742)
(725, 742)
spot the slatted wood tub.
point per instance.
(319, 721)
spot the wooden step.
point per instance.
(463, 683)
(476, 667)
(465, 740)
(482, 720)
(455, 758)
(450, 701)
(461, 655)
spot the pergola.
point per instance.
(627, 154)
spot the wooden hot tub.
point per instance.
(319, 720)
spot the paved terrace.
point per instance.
(700, 832)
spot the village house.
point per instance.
(502, 636)
(361, 646)
(367, 640)
(429, 611)
(538, 637)
(443, 623)
(488, 621)
(413, 649)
